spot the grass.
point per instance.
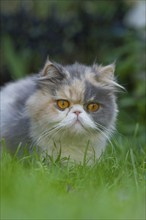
(114, 188)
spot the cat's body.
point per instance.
(68, 109)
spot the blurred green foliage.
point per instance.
(84, 31)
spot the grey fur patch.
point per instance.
(76, 70)
(14, 123)
(105, 116)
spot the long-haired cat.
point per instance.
(69, 109)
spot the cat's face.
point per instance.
(75, 99)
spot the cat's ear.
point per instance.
(52, 72)
(106, 73)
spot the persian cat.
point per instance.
(64, 109)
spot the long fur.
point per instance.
(30, 116)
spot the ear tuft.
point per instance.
(106, 72)
(105, 75)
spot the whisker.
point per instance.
(106, 136)
(47, 133)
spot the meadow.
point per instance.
(112, 188)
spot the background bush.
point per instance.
(84, 31)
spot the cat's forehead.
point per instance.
(74, 86)
(79, 74)
(80, 85)
(74, 90)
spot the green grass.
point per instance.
(114, 188)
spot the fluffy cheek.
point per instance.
(42, 109)
(86, 121)
(51, 114)
(56, 116)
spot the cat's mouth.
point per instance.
(77, 120)
(78, 124)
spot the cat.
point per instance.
(69, 110)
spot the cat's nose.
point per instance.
(77, 112)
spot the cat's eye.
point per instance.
(93, 107)
(63, 104)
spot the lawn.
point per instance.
(114, 188)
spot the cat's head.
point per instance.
(75, 99)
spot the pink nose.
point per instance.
(77, 112)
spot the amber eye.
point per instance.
(93, 107)
(63, 104)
